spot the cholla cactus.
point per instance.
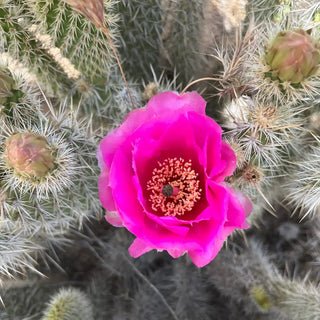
(182, 24)
(263, 289)
(73, 34)
(303, 188)
(69, 304)
(140, 26)
(61, 92)
(45, 172)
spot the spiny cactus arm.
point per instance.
(182, 21)
(140, 27)
(20, 43)
(256, 283)
(69, 304)
(76, 36)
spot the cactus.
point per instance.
(61, 92)
(140, 25)
(69, 304)
(182, 21)
(18, 41)
(52, 39)
(20, 98)
(263, 289)
(73, 34)
(303, 188)
(42, 167)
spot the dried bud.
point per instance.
(28, 154)
(93, 10)
(150, 90)
(293, 56)
(265, 116)
(251, 174)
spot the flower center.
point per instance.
(174, 187)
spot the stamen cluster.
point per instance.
(178, 173)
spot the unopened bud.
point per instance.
(293, 56)
(28, 154)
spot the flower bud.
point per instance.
(293, 56)
(28, 154)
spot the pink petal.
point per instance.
(207, 135)
(124, 193)
(214, 244)
(218, 199)
(148, 152)
(174, 253)
(172, 102)
(159, 106)
(117, 137)
(228, 158)
(203, 127)
(138, 247)
(202, 258)
(161, 238)
(177, 229)
(245, 202)
(105, 192)
(113, 218)
(238, 209)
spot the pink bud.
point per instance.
(293, 56)
(28, 154)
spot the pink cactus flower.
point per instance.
(162, 178)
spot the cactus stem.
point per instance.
(56, 54)
(119, 63)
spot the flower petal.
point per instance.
(148, 152)
(245, 202)
(138, 247)
(237, 210)
(202, 258)
(109, 145)
(177, 229)
(228, 158)
(172, 102)
(124, 192)
(105, 191)
(218, 198)
(174, 253)
(113, 218)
